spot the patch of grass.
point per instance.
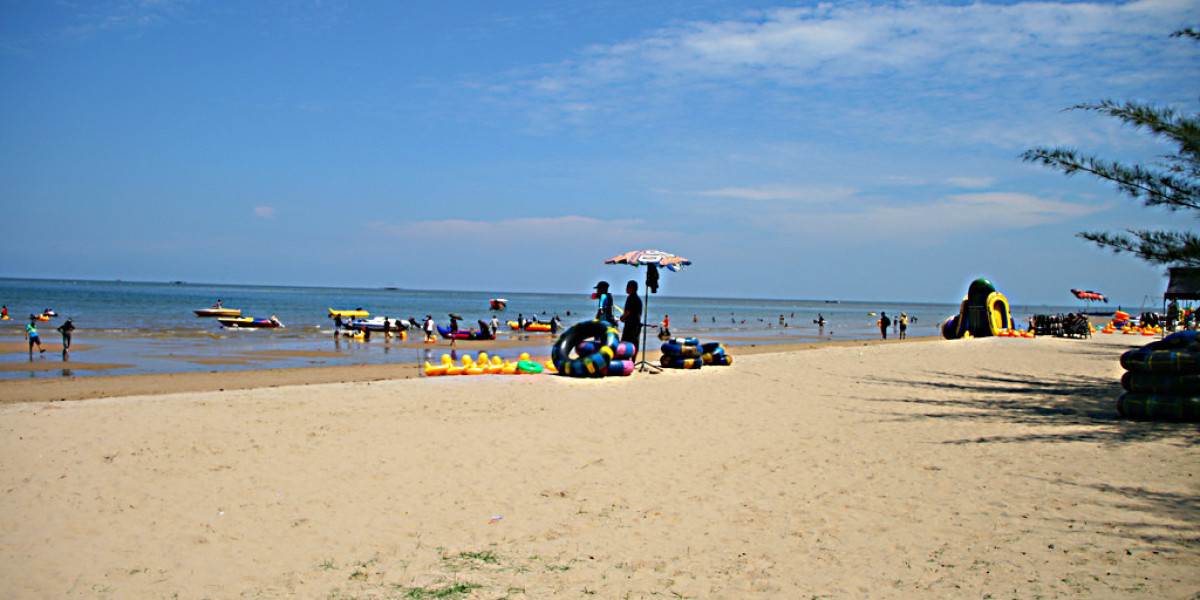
(453, 590)
(485, 556)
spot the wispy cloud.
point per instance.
(768, 193)
(973, 182)
(934, 221)
(265, 212)
(528, 234)
(122, 16)
(950, 53)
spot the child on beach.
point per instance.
(31, 333)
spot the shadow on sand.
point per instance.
(1075, 408)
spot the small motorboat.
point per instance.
(216, 311)
(498, 303)
(248, 323)
(377, 324)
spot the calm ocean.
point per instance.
(151, 326)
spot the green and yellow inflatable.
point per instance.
(984, 312)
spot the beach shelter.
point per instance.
(1184, 284)
(653, 260)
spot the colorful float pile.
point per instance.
(486, 365)
(1121, 322)
(592, 349)
(1162, 380)
(691, 353)
(984, 312)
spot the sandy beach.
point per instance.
(988, 468)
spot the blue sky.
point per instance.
(862, 150)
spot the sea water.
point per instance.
(151, 326)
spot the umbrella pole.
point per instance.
(644, 366)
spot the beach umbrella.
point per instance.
(653, 260)
(658, 258)
(1089, 295)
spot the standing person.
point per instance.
(453, 330)
(903, 325)
(632, 317)
(665, 327)
(604, 303)
(387, 330)
(884, 323)
(495, 326)
(31, 333)
(429, 329)
(4, 313)
(65, 329)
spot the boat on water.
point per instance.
(218, 312)
(483, 333)
(352, 312)
(536, 326)
(377, 324)
(498, 303)
(248, 323)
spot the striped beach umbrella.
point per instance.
(652, 259)
(657, 258)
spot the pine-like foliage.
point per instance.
(1174, 184)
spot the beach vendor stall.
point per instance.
(652, 259)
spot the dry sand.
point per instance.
(992, 468)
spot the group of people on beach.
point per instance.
(900, 324)
(35, 339)
(631, 316)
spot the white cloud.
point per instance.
(766, 193)
(265, 212)
(889, 51)
(525, 235)
(973, 182)
(939, 220)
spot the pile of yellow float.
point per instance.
(486, 365)
(1028, 333)
(1120, 322)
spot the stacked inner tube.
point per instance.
(592, 349)
(1162, 380)
(691, 353)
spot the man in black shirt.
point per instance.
(632, 317)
